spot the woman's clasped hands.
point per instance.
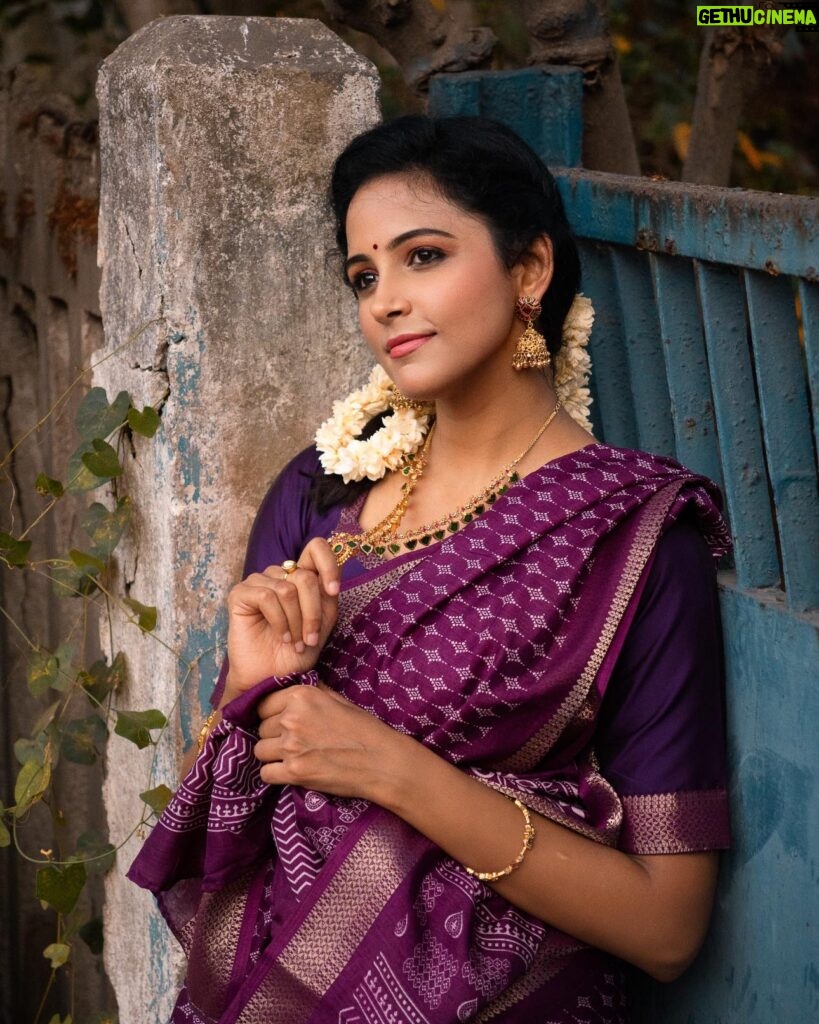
(309, 736)
(279, 622)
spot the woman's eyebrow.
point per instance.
(405, 237)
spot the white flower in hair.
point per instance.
(343, 452)
(572, 364)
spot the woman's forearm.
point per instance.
(652, 911)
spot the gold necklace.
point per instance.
(383, 538)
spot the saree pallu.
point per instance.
(492, 648)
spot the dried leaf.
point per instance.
(48, 487)
(58, 953)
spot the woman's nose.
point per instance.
(388, 304)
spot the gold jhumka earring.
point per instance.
(531, 352)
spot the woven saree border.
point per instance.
(683, 822)
(645, 537)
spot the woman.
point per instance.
(474, 681)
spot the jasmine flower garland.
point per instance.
(343, 452)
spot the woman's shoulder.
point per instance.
(286, 518)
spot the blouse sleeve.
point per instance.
(661, 734)
(286, 519)
(285, 522)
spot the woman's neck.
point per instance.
(482, 430)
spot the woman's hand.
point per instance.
(315, 738)
(279, 623)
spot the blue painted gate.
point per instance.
(706, 348)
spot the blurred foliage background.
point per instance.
(658, 44)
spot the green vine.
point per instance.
(79, 703)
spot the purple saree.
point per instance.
(495, 648)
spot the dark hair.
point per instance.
(486, 169)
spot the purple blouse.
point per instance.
(660, 734)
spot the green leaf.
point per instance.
(145, 422)
(95, 853)
(43, 670)
(157, 798)
(32, 781)
(45, 719)
(65, 676)
(48, 487)
(102, 461)
(89, 564)
(91, 934)
(60, 887)
(136, 725)
(83, 739)
(79, 478)
(105, 526)
(12, 550)
(146, 613)
(102, 678)
(70, 581)
(31, 750)
(95, 418)
(58, 953)
(5, 835)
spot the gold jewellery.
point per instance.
(383, 539)
(528, 842)
(204, 732)
(531, 352)
(288, 567)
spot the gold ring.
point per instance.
(289, 567)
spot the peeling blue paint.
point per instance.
(190, 467)
(197, 640)
(162, 983)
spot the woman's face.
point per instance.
(435, 302)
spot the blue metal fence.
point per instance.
(706, 348)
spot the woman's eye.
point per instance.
(425, 255)
(363, 280)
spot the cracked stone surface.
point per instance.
(221, 308)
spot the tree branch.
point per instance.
(425, 37)
(576, 32)
(732, 63)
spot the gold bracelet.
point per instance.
(528, 841)
(204, 732)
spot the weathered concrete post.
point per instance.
(217, 137)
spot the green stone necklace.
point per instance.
(384, 540)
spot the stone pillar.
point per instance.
(219, 306)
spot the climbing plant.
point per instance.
(79, 704)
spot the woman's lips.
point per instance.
(404, 344)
